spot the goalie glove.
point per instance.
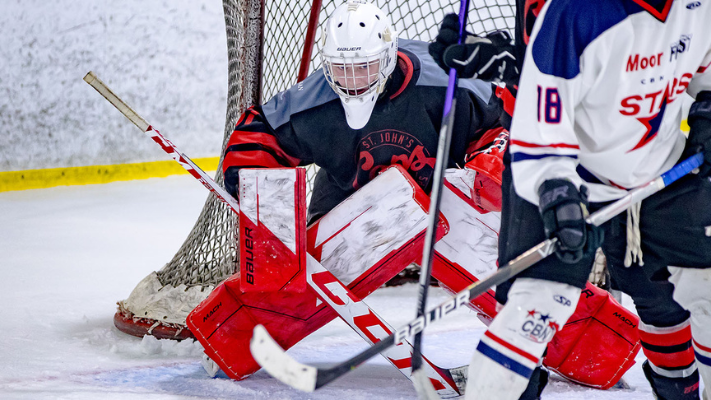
(700, 133)
(490, 58)
(486, 159)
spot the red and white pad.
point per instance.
(272, 223)
(598, 343)
(364, 242)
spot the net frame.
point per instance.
(265, 39)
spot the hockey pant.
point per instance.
(357, 243)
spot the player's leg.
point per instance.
(693, 291)
(676, 227)
(512, 346)
(536, 307)
(664, 329)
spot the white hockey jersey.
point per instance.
(599, 101)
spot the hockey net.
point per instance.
(266, 40)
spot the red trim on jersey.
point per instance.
(660, 15)
(405, 64)
(266, 140)
(701, 70)
(701, 347)
(511, 347)
(555, 145)
(617, 186)
(250, 118)
(258, 157)
(507, 98)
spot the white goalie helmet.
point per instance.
(358, 53)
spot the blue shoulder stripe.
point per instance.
(569, 26)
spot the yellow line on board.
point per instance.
(45, 178)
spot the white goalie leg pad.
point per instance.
(513, 345)
(692, 290)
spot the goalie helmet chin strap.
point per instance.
(633, 253)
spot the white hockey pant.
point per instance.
(513, 345)
(692, 290)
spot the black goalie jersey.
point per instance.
(306, 124)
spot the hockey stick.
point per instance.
(451, 382)
(164, 143)
(419, 379)
(285, 368)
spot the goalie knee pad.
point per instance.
(511, 348)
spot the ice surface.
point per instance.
(67, 254)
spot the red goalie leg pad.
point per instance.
(668, 347)
(599, 342)
(223, 322)
(468, 252)
(348, 242)
(272, 221)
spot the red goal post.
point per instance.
(265, 41)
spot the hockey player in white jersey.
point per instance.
(598, 112)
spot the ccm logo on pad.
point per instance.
(693, 5)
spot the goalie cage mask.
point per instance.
(358, 54)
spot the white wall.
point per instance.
(166, 58)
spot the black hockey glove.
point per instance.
(564, 209)
(700, 133)
(489, 58)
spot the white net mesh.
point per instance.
(209, 254)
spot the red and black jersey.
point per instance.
(306, 124)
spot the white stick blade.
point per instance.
(423, 386)
(267, 352)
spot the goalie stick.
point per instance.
(283, 367)
(419, 379)
(356, 313)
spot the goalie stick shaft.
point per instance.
(162, 141)
(322, 376)
(443, 145)
(350, 307)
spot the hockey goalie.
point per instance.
(371, 121)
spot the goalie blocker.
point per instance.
(595, 348)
